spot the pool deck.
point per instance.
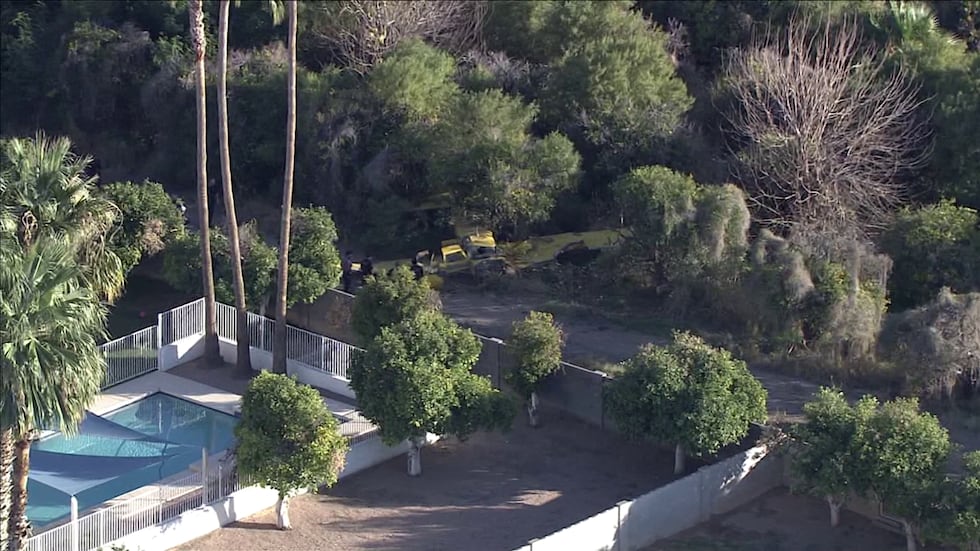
(218, 387)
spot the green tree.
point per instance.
(414, 379)
(149, 222)
(258, 265)
(698, 397)
(46, 193)
(536, 343)
(498, 174)
(50, 324)
(904, 451)
(314, 263)
(823, 452)
(195, 12)
(287, 439)
(416, 81)
(934, 246)
(686, 230)
(282, 276)
(614, 80)
(387, 299)
(958, 521)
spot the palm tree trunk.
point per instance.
(243, 359)
(20, 527)
(196, 11)
(6, 483)
(279, 345)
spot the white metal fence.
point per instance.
(182, 321)
(316, 351)
(130, 356)
(141, 510)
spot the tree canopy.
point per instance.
(287, 438)
(415, 378)
(687, 393)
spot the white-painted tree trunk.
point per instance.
(835, 506)
(910, 543)
(679, 459)
(282, 514)
(532, 410)
(415, 456)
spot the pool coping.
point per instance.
(155, 382)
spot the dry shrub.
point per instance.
(938, 345)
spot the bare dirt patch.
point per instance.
(780, 521)
(492, 493)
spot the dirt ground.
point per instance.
(779, 521)
(492, 493)
(591, 338)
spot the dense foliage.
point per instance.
(684, 121)
(149, 221)
(389, 298)
(414, 378)
(689, 394)
(892, 452)
(287, 438)
(536, 344)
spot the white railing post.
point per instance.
(74, 523)
(160, 340)
(204, 477)
(221, 493)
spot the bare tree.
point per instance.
(824, 132)
(363, 31)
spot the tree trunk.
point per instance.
(20, 527)
(679, 459)
(910, 542)
(835, 506)
(6, 482)
(279, 345)
(415, 455)
(282, 513)
(196, 12)
(243, 359)
(532, 410)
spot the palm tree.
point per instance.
(46, 192)
(199, 41)
(50, 323)
(279, 345)
(243, 359)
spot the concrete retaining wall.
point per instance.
(682, 504)
(180, 352)
(247, 502)
(262, 361)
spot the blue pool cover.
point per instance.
(139, 444)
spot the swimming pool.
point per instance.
(115, 453)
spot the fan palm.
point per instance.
(243, 359)
(46, 193)
(50, 323)
(279, 346)
(195, 11)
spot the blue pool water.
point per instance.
(112, 454)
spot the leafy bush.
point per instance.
(687, 393)
(287, 438)
(933, 247)
(536, 343)
(389, 298)
(150, 220)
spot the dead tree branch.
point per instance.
(362, 32)
(824, 133)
